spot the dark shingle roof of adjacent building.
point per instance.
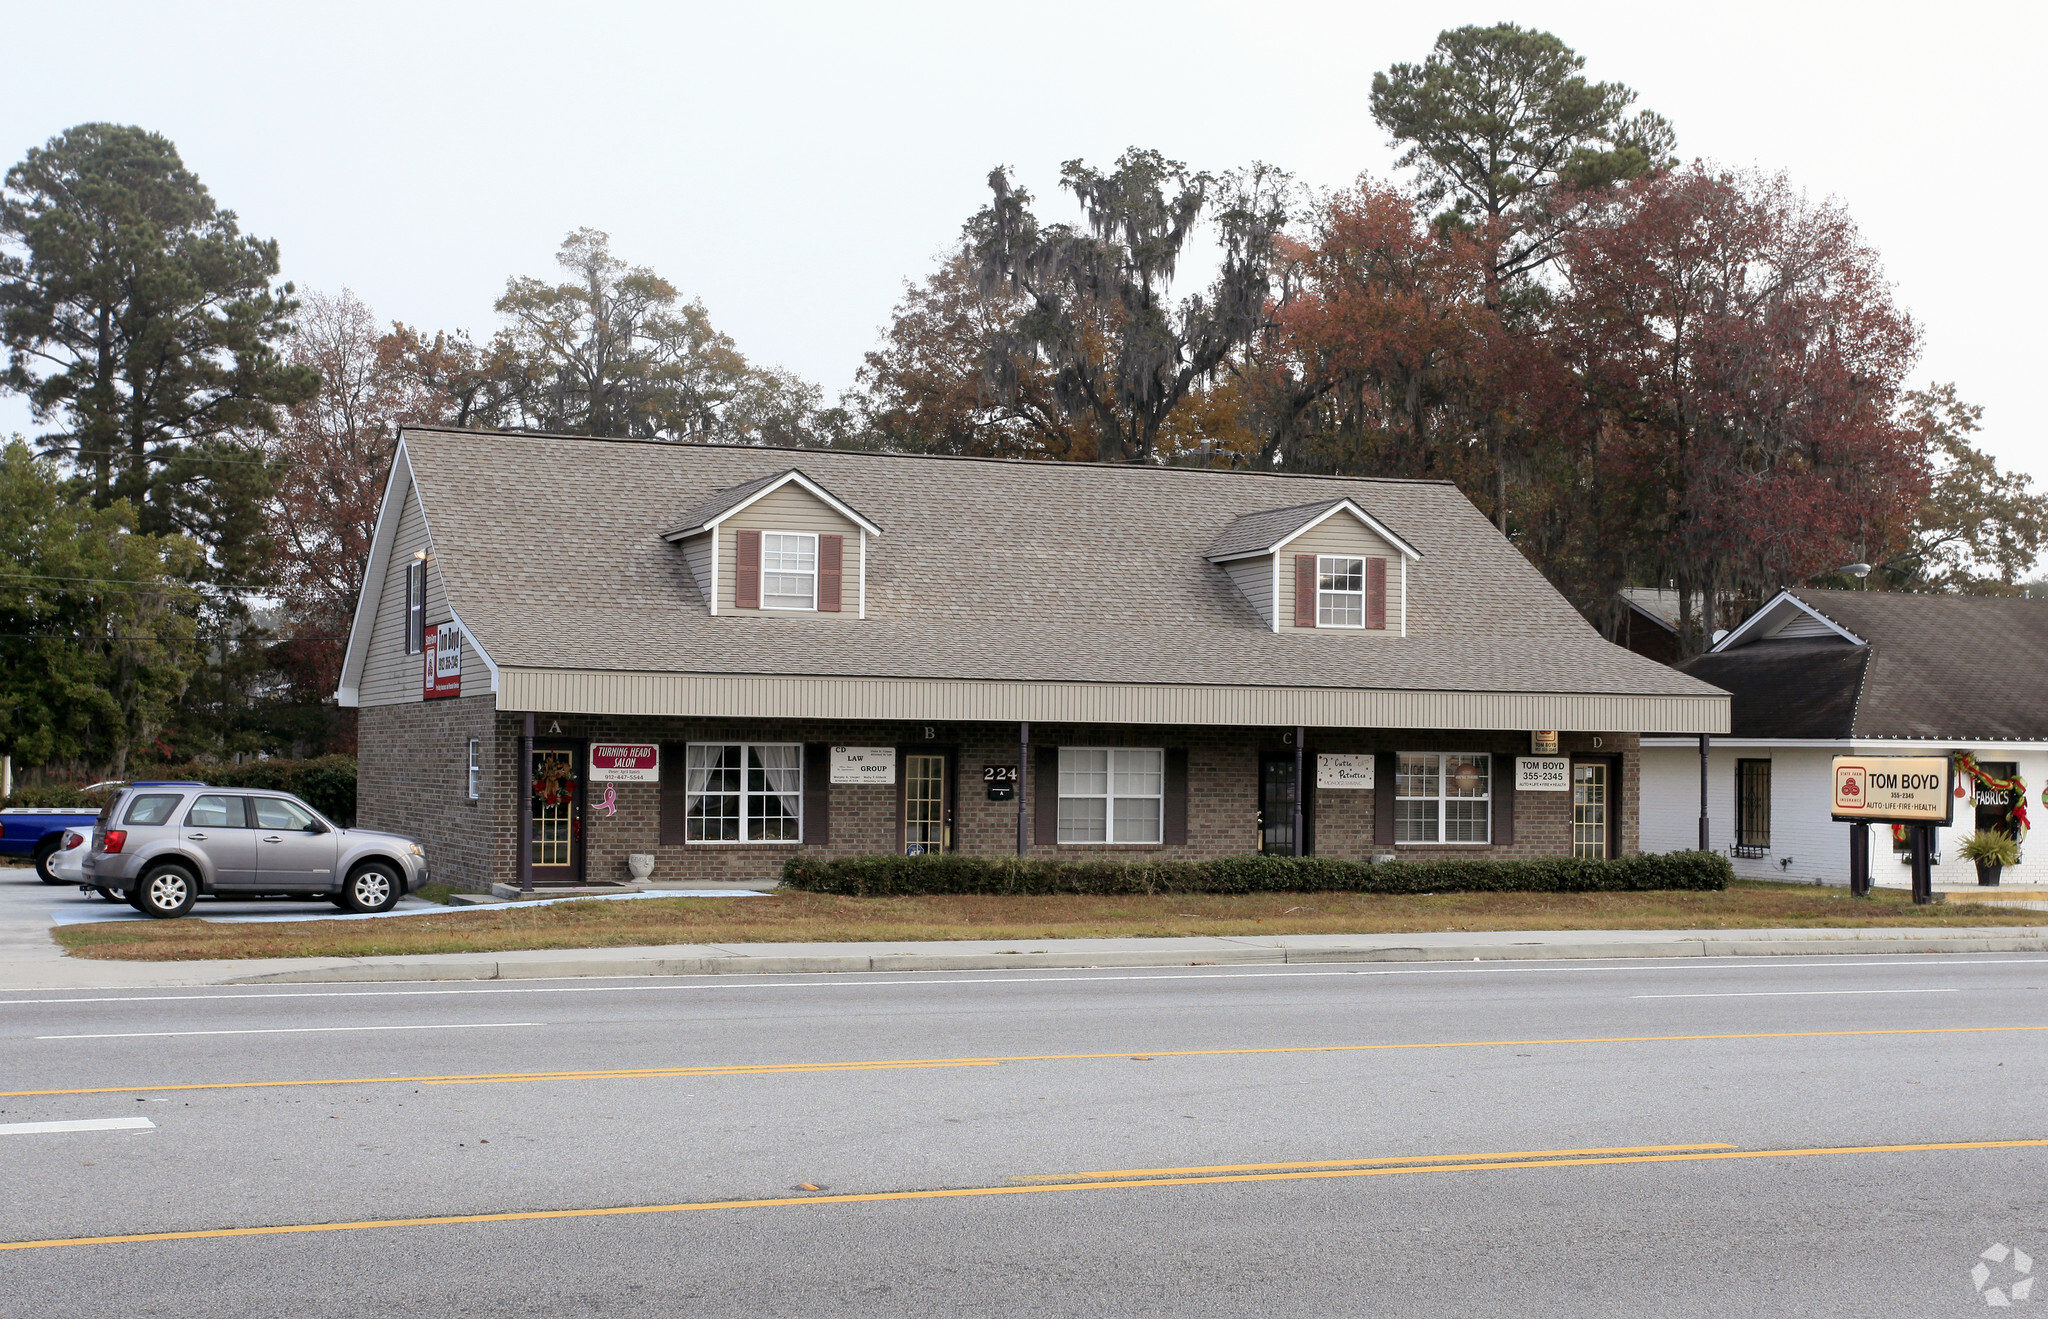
(1936, 667)
(551, 551)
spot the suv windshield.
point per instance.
(154, 808)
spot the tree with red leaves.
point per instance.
(1741, 350)
(332, 455)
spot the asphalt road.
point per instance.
(1347, 1140)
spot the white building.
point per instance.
(1819, 674)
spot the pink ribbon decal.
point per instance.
(610, 804)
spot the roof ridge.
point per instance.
(935, 457)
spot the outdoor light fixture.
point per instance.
(1856, 570)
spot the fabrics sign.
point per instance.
(625, 762)
(444, 661)
(1894, 789)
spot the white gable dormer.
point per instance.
(782, 546)
(1327, 566)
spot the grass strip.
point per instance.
(795, 917)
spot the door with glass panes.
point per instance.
(555, 781)
(1594, 808)
(924, 776)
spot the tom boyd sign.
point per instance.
(1894, 790)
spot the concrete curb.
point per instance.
(467, 968)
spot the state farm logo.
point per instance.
(1852, 787)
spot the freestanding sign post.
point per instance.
(1915, 791)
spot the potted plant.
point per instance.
(1993, 850)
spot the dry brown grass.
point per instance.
(792, 917)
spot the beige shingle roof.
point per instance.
(552, 554)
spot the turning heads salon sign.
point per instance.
(625, 762)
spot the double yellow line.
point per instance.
(1123, 1179)
(897, 1064)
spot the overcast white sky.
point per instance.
(792, 164)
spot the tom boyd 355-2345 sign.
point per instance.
(1894, 789)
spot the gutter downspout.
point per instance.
(1300, 791)
(1705, 740)
(1023, 784)
(525, 782)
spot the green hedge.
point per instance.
(328, 782)
(883, 876)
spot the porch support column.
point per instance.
(1300, 792)
(523, 785)
(1023, 785)
(1704, 742)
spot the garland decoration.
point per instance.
(2015, 789)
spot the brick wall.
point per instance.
(413, 780)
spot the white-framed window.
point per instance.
(1443, 798)
(1340, 591)
(744, 792)
(476, 769)
(789, 570)
(1111, 794)
(415, 607)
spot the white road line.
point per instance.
(1024, 976)
(1798, 993)
(285, 1030)
(87, 1124)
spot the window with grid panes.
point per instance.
(1340, 591)
(1443, 797)
(789, 570)
(1111, 794)
(744, 792)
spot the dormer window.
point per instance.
(1340, 592)
(789, 570)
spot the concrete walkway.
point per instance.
(30, 960)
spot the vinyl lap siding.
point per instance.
(788, 509)
(1344, 534)
(697, 553)
(389, 674)
(742, 696)
(1254, 578)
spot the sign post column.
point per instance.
(1915, 791)
(1923, 865)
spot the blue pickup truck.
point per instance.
(33, 832)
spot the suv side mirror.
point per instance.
(316, 828)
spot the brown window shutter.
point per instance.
(1045, 798)
(817, 795)
(1173, 829)
(673, 830)
(1503, 800)
(1375, 592)
(831, 555)
(1384, 767)
(1304, 590)
(746, 577)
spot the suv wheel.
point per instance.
(167, 891)
(371, 887)
(44, 851)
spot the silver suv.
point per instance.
(161, 846)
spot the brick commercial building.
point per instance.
(724, 656)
